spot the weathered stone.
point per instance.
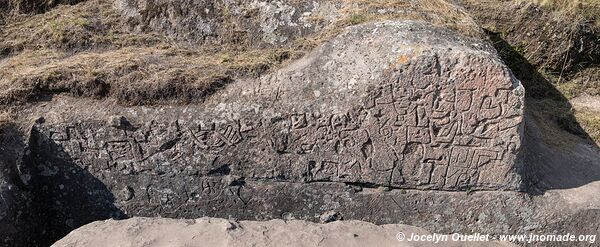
(243, 22)
(14, 209)
(330, 216)
(16, 219)
(257, 23)
(390, 104)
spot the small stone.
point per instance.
(127, 193)
(330, 216)
(384, 188)
(40, 120)
(356, 188)
(116, 121)
(120, 122)
(287, 216)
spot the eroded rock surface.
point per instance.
(391, 104)
(254, 23)
(16, 219)
(250, 23)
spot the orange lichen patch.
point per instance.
(403, 59)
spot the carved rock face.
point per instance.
(390, 104)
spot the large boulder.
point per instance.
(394, 104)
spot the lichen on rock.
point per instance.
(387, 104)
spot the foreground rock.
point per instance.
(219, 232)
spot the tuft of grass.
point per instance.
(590, 121)
(581, 9)
(356, 18)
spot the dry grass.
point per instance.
(437, 12)
(590, 121)
(586, 82)
(87, 50)
(131, 75)
(5, 119)
(580, 9)
(94, 24)
(32, 6)
(556, 121)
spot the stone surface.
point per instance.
(244, 22)
(391, 104)
(253, 23)
(389, 122)
(16, 219)
(220, 232)
(374, 106)
(13, 209)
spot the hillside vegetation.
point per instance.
(91, 49)
(553, 47)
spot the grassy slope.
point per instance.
(85, 50)
(582, 10)
(586, 78)
(553, 47)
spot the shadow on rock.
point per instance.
(66, 196)
(558, 153)
(17, 224)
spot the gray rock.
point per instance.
(330, 216)
(17, 221)
(239, 22)
(390, 104)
